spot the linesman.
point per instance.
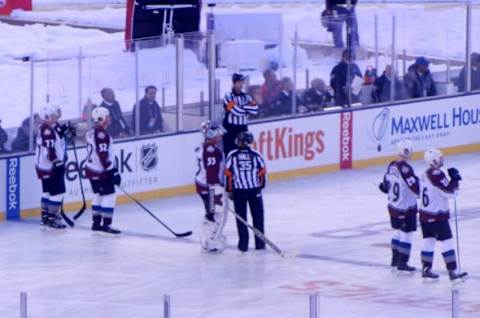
(245, 170)
(238, 105)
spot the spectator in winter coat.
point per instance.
(118, 126)
(22, 139)
(338, 79)
(271, 88)
(367, 94)
(382, 86)
(3, 139)
(336, 13)
(475, 75)
(151, 120)
(283, 104)
(419, 81)
(317, 97)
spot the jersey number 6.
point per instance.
(425, 199)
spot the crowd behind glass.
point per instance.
(274, 96)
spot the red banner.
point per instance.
(346, 128)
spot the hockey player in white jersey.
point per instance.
(50, 167)
(102, 172)
(209, 181)
(435, 191)
(402, 186)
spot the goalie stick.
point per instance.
(154, 216)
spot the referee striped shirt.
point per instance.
(245, 170)
(237, 108)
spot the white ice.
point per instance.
(337, 222)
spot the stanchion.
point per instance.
(314, 306)
(455, 304)
(166, 306)
(23, 305)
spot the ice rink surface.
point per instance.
(337, 222)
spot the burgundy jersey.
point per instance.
(210, 167)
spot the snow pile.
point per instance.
(106, 17)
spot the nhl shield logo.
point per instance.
(149, 157)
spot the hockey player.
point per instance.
(209, 182)
(50, 166)
(435, 191)
(100, 169)
(402, 187)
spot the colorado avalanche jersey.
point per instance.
(100, 156)
(435, 190)
(49, 149)
(210, 166)
(403, 187)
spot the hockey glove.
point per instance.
(115, 176)
(454, 174)
(383, 187)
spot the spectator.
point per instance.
(382, 86)
(367, 94)
(283, 104)
(150, 115)
(419, 81)
(3, 140)
(22, 139)
(317, 97)
(475, 75)
(338, 79)
(271, 88)
(118, 126)
(335, 14)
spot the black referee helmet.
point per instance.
(237, 77)
(244, 139)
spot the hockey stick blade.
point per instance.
(66, 218)
(80, 212)
(154, 216)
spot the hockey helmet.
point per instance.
(244, 138)
(405, 148)
(213, 132)
(56, 110)
(45, 113)
(99, 114)
(434, 157)
(237, 77)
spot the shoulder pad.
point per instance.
(436, 172)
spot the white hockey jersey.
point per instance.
(403, 187)
(435, 191)
(49, 149)
(100, 155)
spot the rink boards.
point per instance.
(165, 166)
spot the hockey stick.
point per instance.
(456, 231)
(259, 234)
(65, 217)
(79, 170)
(154, 216)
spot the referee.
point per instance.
(238, 105)
(246, 172)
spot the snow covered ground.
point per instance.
(442, 34)
(337, 222)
